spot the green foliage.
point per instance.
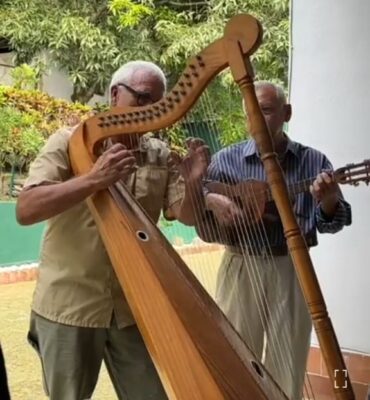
(129, 13)
(82, 38)
(20, 140)
(183, 35)
(175, 137)
(24, 77)
(89, 39)
(27, 118)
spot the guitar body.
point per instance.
(252, 197)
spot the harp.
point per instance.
(196, 351)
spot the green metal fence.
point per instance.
(21, 244)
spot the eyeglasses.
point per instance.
(142, 98)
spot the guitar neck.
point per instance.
(351, 174)
(298, 187)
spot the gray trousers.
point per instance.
(265, 304)
(71, 358)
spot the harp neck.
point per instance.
(242, 71)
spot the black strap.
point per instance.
(4, 389)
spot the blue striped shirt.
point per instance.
(241, 162)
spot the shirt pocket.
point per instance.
(150, 188)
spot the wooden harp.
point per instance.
(196, 351)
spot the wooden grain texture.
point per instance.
(243, 74)
(196, 351)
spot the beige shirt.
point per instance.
(77, 284)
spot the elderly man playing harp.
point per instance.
(79, 313)
(256, 285)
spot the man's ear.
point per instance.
(114, 95)
(288, 112)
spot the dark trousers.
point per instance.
(4, 390)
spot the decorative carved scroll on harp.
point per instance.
(196, 351)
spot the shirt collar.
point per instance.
(250, 148)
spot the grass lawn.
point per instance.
(23, 366)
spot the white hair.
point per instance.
(280, 94)
(126, 71)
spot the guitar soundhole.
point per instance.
(142, 236)
(257, 368)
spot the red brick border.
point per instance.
(358, 368)
(29, 272)
(18, 274)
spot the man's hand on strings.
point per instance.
(193, 166)
(115, 164)
(326, 191)
(224, 209)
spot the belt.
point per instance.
(275, 251)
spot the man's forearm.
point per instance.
(192, 207)
(329, 206)
(40, 203)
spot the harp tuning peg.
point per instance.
(200, 61)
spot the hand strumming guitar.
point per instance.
(225, 210)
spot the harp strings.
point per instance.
(248, 236)
(217, 231)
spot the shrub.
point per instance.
(48, 113)
(20, 140)
(27, 119)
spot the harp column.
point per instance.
(330, 94)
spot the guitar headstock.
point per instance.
(353, 174)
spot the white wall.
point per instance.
(330, 94)
(55, 82)
(5, 61)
